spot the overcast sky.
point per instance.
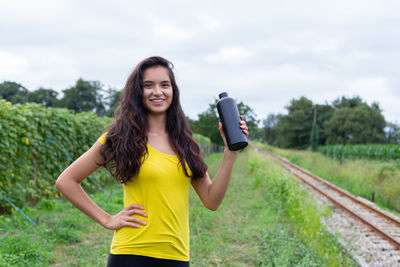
(264, 53)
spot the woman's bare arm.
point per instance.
(210, 192)
(68, 183)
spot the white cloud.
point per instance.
(209, 23)
(175, 31)
(170, 32)
(12, 64)
(34, 11)
(374, 86)
(262, 52)
(230, 54)
(35, 68)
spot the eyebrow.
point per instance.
(153, 81)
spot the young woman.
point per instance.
(149, 148)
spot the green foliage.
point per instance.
(373, 152)
(84, 96)
(323, 113)
(259, 223)
(13, 92)
(112, 100)
(207, 123)
(46, 97)
(346, 121)
(314, 138)
(299, 239)
(358, 125)
(392, 133)
(253, 232)
(249, 116)
(360, 177)
(280, 247)
(270, 129)
(64, 235)
(29, 167)
(206, 146)
(203, 140)
(19, 251)
(344, 102)
(294, 129)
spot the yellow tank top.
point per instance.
(162, 188)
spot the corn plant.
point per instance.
(371, 151)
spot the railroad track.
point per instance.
(386, 225)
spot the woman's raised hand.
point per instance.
(124, 219)
(243, 126)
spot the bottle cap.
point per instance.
(223, 94)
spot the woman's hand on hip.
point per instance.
(124, 218)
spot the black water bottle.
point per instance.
(229, 116)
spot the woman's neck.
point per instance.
(157, 123)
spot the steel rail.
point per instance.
(336, 202)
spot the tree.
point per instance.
(13, 92)
(270, 130)
(360, 124)
(344, 102)
(298, 129)
(46, 97)
(84, 96)
(324, 113)
(207, 122)
(249, 115)
(190, 121)
(294, 129)
(392, 131)
(112, 100)
(314, 138)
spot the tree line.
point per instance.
(87, 96)
(84, 96)
(306, 125)
(344, 121)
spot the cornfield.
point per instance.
(374, 152)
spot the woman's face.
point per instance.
(157, 90)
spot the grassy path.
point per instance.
(266, 219)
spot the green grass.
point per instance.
(370, 151)
(64, 236)
(360, 177)
(266, 219)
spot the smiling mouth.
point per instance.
(157, 100)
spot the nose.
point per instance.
(157, 89)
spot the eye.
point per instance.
(165, 85)
(147, 85)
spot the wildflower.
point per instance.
(8, 104)
(26, 140)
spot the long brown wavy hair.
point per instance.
(126, 142)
